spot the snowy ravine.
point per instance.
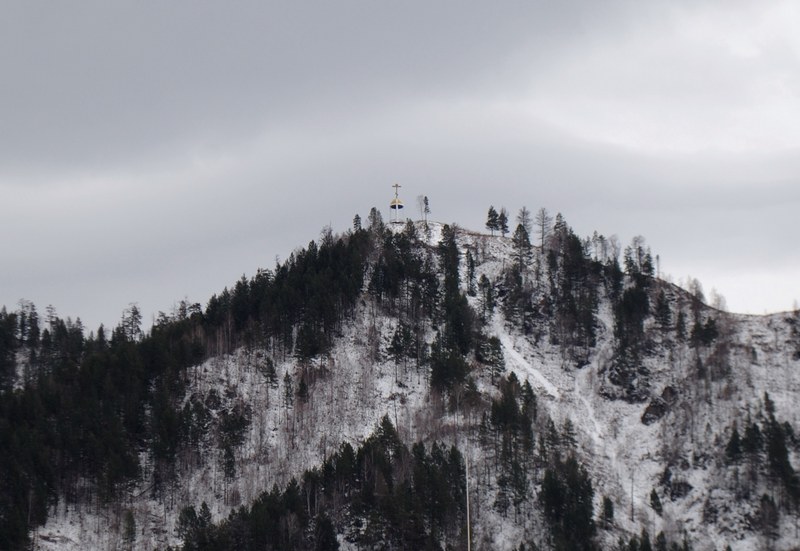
(357, 383)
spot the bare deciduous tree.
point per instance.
(544, 225)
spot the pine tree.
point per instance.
(680, 326)
(129, 528)
(302, 390)
(522, 247)
(644, 542)
(288, 391)
(733, 451)
(559, 231)
(769, 517)
(663, 311)
(187, 522)
(493, 356)
(566, 497)
(375, 220)
(492, 220)
(204, 516)
(487, 296)
(8, 346)
(780, 468)
(753, 441)
(470, 274)
(131, 324)
(608, 512)
(661, 542)
(502, 221)
(655, 502)
(325, 535)
(400, 346)
(269, 372)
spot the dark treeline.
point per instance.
(761, 450)
(381, 495)
(310, 294)
(77, 412)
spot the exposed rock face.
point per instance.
(654, 411)
(659, 406)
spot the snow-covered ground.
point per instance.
(355, 385)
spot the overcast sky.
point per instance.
(155, 151)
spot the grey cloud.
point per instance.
(156, 150)
(97, 82)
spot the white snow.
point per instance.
(356, 386)
(525, 367)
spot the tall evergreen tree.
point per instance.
(733, 451)
(663, 312)
(471, 291)
(566, 497)
(492, 220)
(502, 221)
(522, 247)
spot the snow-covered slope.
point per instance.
(357, 383)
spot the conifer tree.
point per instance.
(288, 390)
(644, 541)
(753, 441)
(502, 221)
(492, 220)
(470, 274)
(680, 326)
(522, 247)
(487, 296)
(608, 512)
(663, 311)
(129, 528)
(302, 390)
(566, 497)
(661, 542)
(493, 356)
(733, 451)
(375, 220)
(131, 324)
(325, 535)
(655, 502)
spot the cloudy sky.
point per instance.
(155, 151)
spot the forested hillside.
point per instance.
(357, 394)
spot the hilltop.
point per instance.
(340, 398)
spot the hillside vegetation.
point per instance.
(357, 395)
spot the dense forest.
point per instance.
(79, 413)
